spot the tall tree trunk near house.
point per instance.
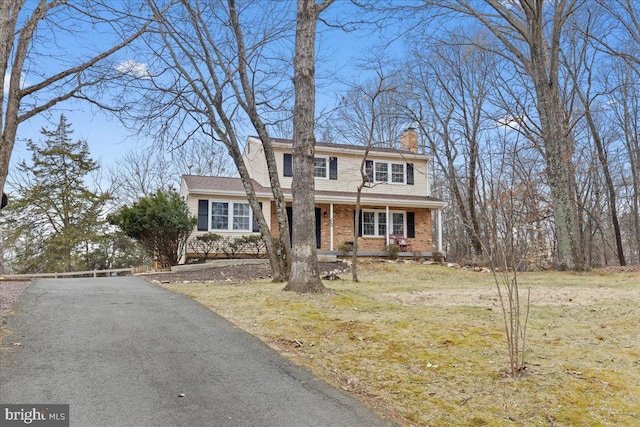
(356, 227)
(558, 142)
(272, 253)
(558, 150)
(281, 274)
(304, 275)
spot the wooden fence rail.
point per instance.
(90, 273)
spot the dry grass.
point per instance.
(424, 344)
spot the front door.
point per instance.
(318, 224)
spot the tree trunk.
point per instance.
(304, 260)
(558, 143)
(282, 274)
(611, 192)
(274, 260)
(356, 227)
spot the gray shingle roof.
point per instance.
(225, 185)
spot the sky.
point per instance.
(109, 140)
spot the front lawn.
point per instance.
(424, 344)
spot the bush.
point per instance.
(438, 257)
(345, 248)
(205, 244)
(393, 251)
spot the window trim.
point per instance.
(326, 167)
(390, 164)
(404, 173)
(376, 222)
(230, 216)
(375, 171)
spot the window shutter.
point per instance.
(203, 215)
(333, 168)
(359, 222)
(256, 227)
(369, 170)
(411, 226)
(409, 173)
(288, 165)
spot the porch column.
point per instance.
(439, 211)
(386, 237)
(331, 227)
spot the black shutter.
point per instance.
(288, 165)
(333, 168)
(409, 173)
(318, 228)
(290, 219)
(359, 222)
(256, 227)
(369, 170)
(411, 225)
(203, 215)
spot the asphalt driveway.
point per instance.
(123, 352)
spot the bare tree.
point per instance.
(369, 117)
(304, 261)
(141, 173)
(209, 68)
(625, 106)
(448, 91)
(531, 33)
(626, 20)
(30, 34)
(580, 62)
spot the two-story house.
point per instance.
(396, 206)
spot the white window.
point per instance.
(382, 172)
(397, 226)
(241, 216)
(368, 223)
(387, 172)
(374, 223)
(397, 173)
(231, 216)
(320, 169)
(219, 216)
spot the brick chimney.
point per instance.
(409, 140)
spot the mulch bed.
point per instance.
(237, 273)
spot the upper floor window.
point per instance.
(397, 173)
(382, 172)
(323, 167)
(389, 172)
(320, 169)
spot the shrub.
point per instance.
(393, 251)
(438, 257)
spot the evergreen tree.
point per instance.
(160, 223)
(56, 217)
